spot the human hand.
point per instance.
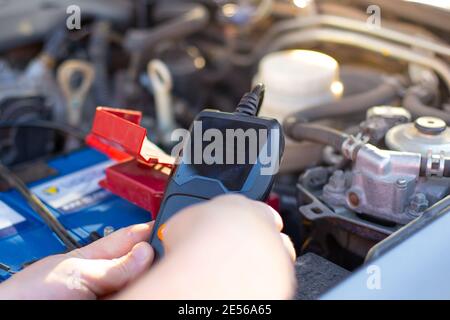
(91, 272)
(226, 248)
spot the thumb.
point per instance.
(104, 277)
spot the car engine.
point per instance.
(361, 89)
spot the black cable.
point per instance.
(43, 124)
(415, 102)
(251, 101)
(300, 131)
(6, 268)
(357, 103)
(39, 207)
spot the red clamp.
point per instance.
(142, 171)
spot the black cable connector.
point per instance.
(251, 101)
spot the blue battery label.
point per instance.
(75, 191)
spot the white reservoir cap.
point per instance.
(296, 79)
(299, 72)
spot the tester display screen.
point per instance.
(229, 150)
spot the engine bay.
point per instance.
(361, 89)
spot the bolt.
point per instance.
(418, 204)
(401, 183)
(337, 181)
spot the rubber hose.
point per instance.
(357, 79)
(140, 42)
(384, 93)
(191, 21)
(297, 127)
(313, 132)
(413, 101)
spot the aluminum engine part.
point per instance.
(380, 119)
(425, 134)
(385, 184)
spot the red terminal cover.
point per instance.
(143, 169)
(138, 183)
(117, 133)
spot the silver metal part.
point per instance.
(385, 184)
(418, 204)
(351, 146)
(314, 209)
(382, 184)
(427, 133)
(397, 114)
(380, 119)
(435, 164)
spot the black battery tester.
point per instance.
(193, 182)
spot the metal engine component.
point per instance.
(395, 185)
(425, 134)
(386, 185)
(380, 119)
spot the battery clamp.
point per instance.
(142, 169)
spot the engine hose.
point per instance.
(297, 126)
(414, 99)
(300, 131)
(139, 42)
(358, 80)
(384, 93)
(191, 21)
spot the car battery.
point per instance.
(74, 196)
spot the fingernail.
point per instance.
(141, 252)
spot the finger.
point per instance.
(289, 246)
(273, 214)
(243, 201)
(104, 277)
(116, 244)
